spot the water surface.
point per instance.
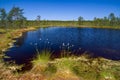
(98, 42)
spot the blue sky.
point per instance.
(64, 9)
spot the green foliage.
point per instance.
(8, 35)
(51, 69)
(16, 16)
(3, 17)
(80, 20)
(3, 14)
(107, 75)
(115, 70)
(84, 70)
(65, 64)
(111, 20)
(13, 18)
(42, 58)
(40, 63)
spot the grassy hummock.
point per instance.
(76, 68)
(66, 68)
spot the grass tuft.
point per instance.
(40, 63)
(42, 58)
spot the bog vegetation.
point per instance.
(66, 68)
(13, 23)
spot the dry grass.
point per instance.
(78, 68)
(6, 36)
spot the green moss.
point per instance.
(85, 71)
(107, 75)
(65, 64)
(51, 69)
(116, 71)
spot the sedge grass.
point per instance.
(42, 58)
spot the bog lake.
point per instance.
(95, 42)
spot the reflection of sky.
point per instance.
(87, 38)
(64, 9)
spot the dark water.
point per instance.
(98, 42)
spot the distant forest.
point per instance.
(15, 19)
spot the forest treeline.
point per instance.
(110, 20)
(15, 19)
